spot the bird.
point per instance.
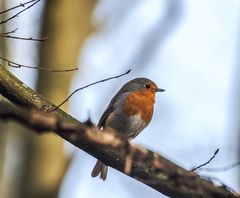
(129, 112)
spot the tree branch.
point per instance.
(16, 15)
(146, 166)
(17, 65)
(20, 5)
(6, 35)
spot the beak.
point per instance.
(160, 90)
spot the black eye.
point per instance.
(147, 86)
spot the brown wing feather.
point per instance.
(122, 92)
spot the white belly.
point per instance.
(136, 126)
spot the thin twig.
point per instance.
(204, 164)
(20, 5)
(81, 88)
(9, 32)
(23, 38)
(7, 35)
(15, 15)
(221, 169)
(17, 65)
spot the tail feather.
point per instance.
(100, 169)
(104, 170)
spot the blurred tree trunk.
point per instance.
(2, 126)
(66, 24)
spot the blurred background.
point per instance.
(190, 48)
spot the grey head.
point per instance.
(138, 84)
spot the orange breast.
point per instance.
(140, 102)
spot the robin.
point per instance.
(129, 112)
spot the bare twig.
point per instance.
(204, 164)
(81, 88)
(9, 32)
(5, 35)
(17, 65)
(20, 5)
(16, 15)
(221, 169)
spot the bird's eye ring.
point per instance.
(147, 86)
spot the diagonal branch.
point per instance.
(147, 167)
(16, 15)
(206, 163)
(9, 32)
(20, 5)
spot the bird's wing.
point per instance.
(116, 101)
(104, 116)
